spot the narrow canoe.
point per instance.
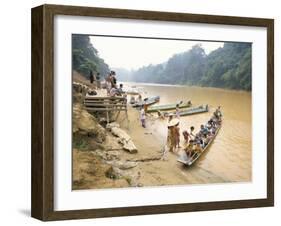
(196, 110)
(186, 160)
(190, 111)
(147, 101)
(166, 107)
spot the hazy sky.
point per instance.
(133, 53)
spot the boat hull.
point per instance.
(149, 101)
(167, 107)
(186, 160)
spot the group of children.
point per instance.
(195, 143)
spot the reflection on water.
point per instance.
(229, 157)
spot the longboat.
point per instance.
(195, 110)
(147, 101)
(186, 160)
(166, 107)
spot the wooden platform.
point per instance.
(105, 104)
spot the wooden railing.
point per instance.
(105, 104)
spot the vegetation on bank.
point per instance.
(85, 57)
(226, 67)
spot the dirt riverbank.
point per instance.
(105, 164)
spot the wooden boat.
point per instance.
(196, 110)
(166, 107)
(186, 160)
(189, 111)
(147, 101)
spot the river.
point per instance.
(229, 157)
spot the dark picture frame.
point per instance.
(42, 203)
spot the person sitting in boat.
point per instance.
(209, 124)
(191, 132)
(213, 130)
(188, 135)
(180, 102)
(197, 138)
(203, 130)
(206, 139)
(210, 135)
(197, 149)
(218, 113)
(189, 148)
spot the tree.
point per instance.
(85, 57)
(227, 67)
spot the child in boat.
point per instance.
(203, 130)
(197, 149)
(218, 113)
(206, 140)
(191, 130)
(209, 124)
(188, 135)
(189, 148)
(142, 117)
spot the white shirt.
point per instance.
(142, 112)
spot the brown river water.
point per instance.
(230, 155)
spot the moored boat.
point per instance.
(166, 107)
(195, 110)
(189, 111)
(147, 101)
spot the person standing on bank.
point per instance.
(98, 81)
(108, 83)
(142, 117)
(172, 136)
(113, 79)
(177, 135)
(91, 77)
